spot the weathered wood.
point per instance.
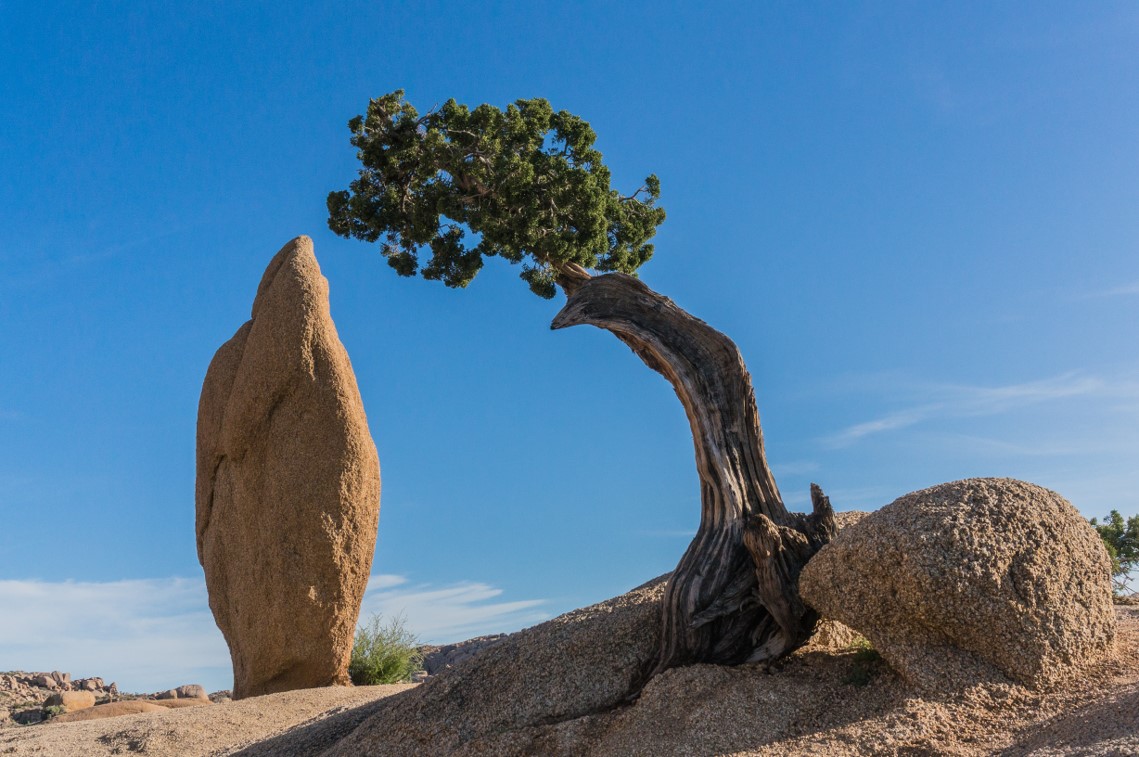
(779, 554)
(733, 595)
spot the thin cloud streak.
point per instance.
(445, 614)
(146, 635)
(43, 270)
(1124, 290)
(1129, 289)
(962, 401)
(892, 422)
(794, 467)
(153, 634)
(1005, 447)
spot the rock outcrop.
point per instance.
(192, 691)
(178, 704)
(576, 665)
(437, 658)
(109, 710)
(186, 691)
(22, 693)
(71, 701)
(961, 580)
(288, 486)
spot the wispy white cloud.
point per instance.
(963, 401)
(153, 634)
(890, 422)
(1005, 447)
(995, 399)
(1129, 289)
(443, 614)
(793, 467)
(145, 634)
(1122, 291)
(47, 263)
(383, 581)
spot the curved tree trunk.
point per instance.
(733, 597)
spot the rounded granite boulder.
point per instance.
(71, 701)
(957, 581)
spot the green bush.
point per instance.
(52, 711)
(1122, 541)
(384, 653)
(867, 663)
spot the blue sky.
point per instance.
(917, 221)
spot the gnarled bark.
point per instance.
(733, 597)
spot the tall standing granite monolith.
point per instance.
(288, 487)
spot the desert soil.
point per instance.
(808, 705)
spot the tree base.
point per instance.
(733, 597)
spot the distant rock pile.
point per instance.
(24, 695)
(964, 580)
(189, 691)
(70, 701)
(190, 695)
(288, 486)
(30, 698)
(437, 658)
(54, 681)
(108, 710)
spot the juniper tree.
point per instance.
(441, 191)
(1121, 539)
(524, 183)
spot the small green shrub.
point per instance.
(52, 711)
(384, 653)
(867, 662)
(1122, 541)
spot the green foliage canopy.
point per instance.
(1122, 541)
(525, 183)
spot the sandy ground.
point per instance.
(802, 708)
(219, 729)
